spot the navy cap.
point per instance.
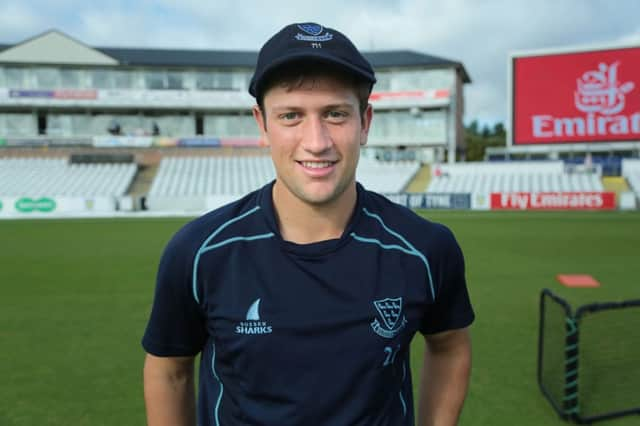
(309, 41)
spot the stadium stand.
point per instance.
(201, 176)
(521, 176)
(55, 177)
(631, 171)
(199, 183)
(386, 177)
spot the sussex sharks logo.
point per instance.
(253, 323)
(393, 320)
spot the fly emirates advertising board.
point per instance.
(578, 97)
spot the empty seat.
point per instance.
(510, 177)
(56, 177)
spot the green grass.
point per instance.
(75, 296)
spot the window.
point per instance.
(59, 125)
(175, 81)
(422, 79)
(224, 80)
(101, 79)
(383, 83)
(172, 125)
(18, 125)
(70, 79)
(403, 126)
(204, 81)
(230, 125)
(47, 78)
(122, 79)
(154, 80)
(14, 77)
(215, 80)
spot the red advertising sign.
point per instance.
(581, 97)
(553, 201)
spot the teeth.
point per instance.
(316, 164)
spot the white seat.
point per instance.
(521, 176)
(56, 177)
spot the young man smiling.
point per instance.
(302, 298)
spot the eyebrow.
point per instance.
(345, 105)
(340, 105)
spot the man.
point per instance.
(302, 298)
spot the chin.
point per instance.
(324, 195)
(318, 199)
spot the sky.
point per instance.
(479, 34)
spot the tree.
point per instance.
(478, 140)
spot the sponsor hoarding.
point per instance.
(410, 94)
(576, 96)
(432, 200)
(217, 99)
(240, 142)
(199, 142)
(165, 142)
(122, 141)
(553, 200)
(46, 141)
(28, 142)
(54, 94)
(28, 205)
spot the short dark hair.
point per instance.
(293, 75)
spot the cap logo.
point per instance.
(311, 29)
(313, 32)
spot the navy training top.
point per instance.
(306, 334)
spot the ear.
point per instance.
(366, 124)
(262, 124)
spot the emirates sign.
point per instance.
(553, 201)
(577, 97)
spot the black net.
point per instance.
(551, 373)
(609, 360)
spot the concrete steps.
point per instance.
(421, 180)
(143, 179)
(616, 184)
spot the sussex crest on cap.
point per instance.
(313, 33)
(311, 28)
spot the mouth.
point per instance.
(316, 164)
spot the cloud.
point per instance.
(479, 34)
(17, 22)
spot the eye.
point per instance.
(337, 115)
(289, 116)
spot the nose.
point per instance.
(316, 138)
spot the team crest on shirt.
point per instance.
(253, 324)
(393, 320)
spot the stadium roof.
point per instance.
(234, 58)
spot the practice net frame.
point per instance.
(589, 360)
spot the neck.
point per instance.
(303, 223)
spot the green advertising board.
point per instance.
(28, 205)
(3, 142)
